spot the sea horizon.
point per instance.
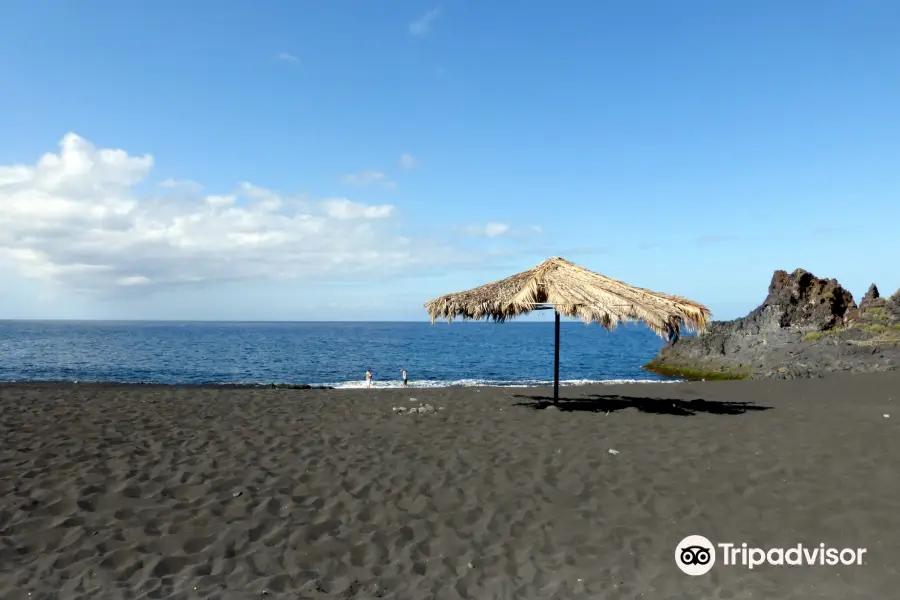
(563, 321)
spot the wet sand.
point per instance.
(158, 492)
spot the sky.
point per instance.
(350, 160)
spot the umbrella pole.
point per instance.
(556, 361)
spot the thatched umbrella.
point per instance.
(572, 290)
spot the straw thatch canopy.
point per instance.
(574, 292)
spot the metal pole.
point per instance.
(556, 362)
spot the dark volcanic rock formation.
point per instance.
(806, 327)
(871, 296)
(803, 301)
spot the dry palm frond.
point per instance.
(574, 292)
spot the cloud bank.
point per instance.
(75, 219)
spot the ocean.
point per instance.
(331, 354)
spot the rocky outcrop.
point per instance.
(806, 327)
(872, 297)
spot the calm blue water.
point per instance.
(321, 353)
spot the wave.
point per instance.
(423, 384)
(518, 383)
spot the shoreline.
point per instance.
(337, 386)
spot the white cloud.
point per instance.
(408, 161)
(422, 25)
(181, 184)
(488, 230)
(525, 234)
(133, 280)
(75, 219)
(287, 57)
(495, 229)
(364, 178)
(343, 209)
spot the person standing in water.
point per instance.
(368, 378)
(405, 377)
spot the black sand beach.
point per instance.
(158, 492)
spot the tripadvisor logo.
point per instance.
(696, 555)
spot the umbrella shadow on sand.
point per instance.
(656, 406)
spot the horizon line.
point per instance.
(284, 321)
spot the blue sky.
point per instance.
(350, 160)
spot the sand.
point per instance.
(158, 492)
